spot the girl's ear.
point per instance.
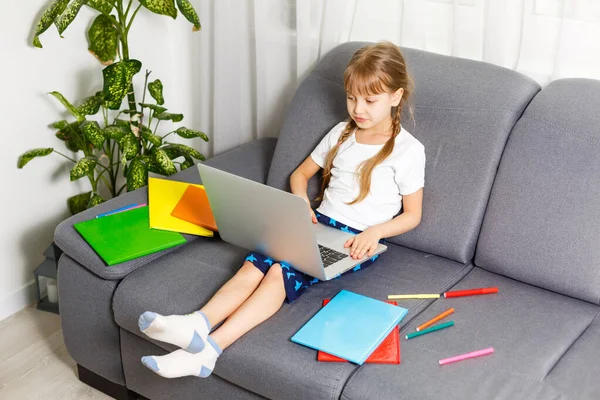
(397, 96)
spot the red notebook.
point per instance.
(388, 351)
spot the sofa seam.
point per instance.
(570, 346)
(563, 130)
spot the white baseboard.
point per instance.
(18, 300)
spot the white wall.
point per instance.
(33, 200)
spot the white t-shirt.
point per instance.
(402, 173)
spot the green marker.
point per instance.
(430, 329)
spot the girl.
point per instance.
(371, 166)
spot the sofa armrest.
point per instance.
(251, 160)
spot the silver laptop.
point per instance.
(277, 224)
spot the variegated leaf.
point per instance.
(123, 123)
(150, 137)
(130, 146)
(163, 7)
(151, 164)
(137, 175)
(78, 203)
(60, 124)
(116, 132)
(187, 150)
(164, 116)
(164, 162)
(104, 39)
(187, 163)
(95, 200)
(190, 134)
(117, 78)
(91, 105)
(83, 167)
(68, 106)
(56, 8)
(31, 154)
(65, 19)
(93, 133)
(104, 6)
(156, 91)
(154, 107)
(189, 13)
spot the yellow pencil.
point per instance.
(412, 296)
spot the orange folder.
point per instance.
(195, 208)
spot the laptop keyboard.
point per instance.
(330, 256)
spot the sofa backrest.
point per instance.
(542, 225)
(464, 111)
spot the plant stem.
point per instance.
(128, 8)
(125, 51)
(68, 158)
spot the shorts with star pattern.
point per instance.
(296, 282)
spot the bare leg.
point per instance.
(233, 293)
(263, 303)
(191, 330)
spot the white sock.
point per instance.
(181, 363)
(186, 331)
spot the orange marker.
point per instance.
(436, 319)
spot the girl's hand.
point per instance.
(313, 217)
(364, 243)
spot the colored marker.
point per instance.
(412, 296)
(466, 356)
(435, 319)
(431, 329)
(471, 292)
(121, 209)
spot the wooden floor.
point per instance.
(34, 363)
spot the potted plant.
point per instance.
(109, 140)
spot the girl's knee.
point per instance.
(275, 273)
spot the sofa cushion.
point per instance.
(265, 361)
(543, 218)
(251, 161)
(529, 328)
(464, 111)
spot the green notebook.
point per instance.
(126, 235)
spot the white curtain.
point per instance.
(252, 54)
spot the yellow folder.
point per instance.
(163, 196)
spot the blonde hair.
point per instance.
(373, 69)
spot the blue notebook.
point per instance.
(351, 326)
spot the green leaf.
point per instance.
(104, 6)
(95, 200)
(190, 134)
(104, 39)
(56, 8)
(92, 132)
(156, 91)
(137, 175)
(163, 7)
(123, 123)
(91, 105)
(163, 116)
(31, 154)
(151, 164)
(154, 107)
(130, 146)
(68, 106)
(71, 135)
(60, 124)
(65, 19)
(149, 136)
(164, 162)
(187, 163)
(117, 78)
(190, 14)
(115, 132)
(187, 150)
(78, 203)
(172, 152)
(83, 167)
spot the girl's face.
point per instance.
(373, 112)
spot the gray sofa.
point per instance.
(511, 200)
